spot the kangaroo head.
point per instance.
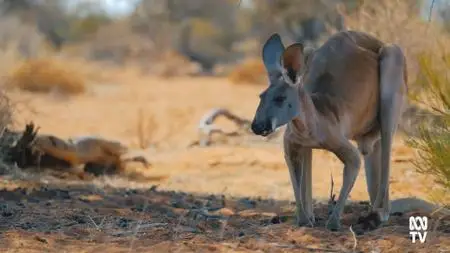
(279, 103)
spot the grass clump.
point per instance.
(47, 75)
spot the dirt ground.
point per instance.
(233, 197)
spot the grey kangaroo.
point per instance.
(353, 87)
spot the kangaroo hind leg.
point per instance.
(392, 99)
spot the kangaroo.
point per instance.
(353, 87)
(86, 150)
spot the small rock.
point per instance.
(7, 213)
(79, 219)
(138, 208)
(224, 212)
(40, 239)
(64, 194)
(153, 188)
(124, 222)
(275, 220)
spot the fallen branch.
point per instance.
(207, 128)
(20, 153)
(98, 156)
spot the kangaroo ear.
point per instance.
(272, 51)
(293, 57)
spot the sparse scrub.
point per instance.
(6, 112)
(146, 128)
(398, 22)
(6, 121)
(172, 64)
(46, 75)
(250, 71)
(433, 142)
(18, 41)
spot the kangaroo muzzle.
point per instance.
(263, 128)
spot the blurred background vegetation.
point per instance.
(221, 37)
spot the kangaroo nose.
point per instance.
(257, 128)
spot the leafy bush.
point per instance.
(46, 75)
(82, 27)
(433, 142)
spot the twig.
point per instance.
(98, 227)
(438, 221)
(331, 201)
(332, 196)
(436, 225)
(442, 209)
(355, 241)
(145, 226)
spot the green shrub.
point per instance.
(433, 142)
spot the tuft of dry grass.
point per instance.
(6, 111)
(45, 75)
(250, 71)
(171, 64)
(146, 128)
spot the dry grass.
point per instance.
(250, 71)
(392, 22)
(6, 111)
(146, 128)
(18, 41)
(6, 120)
(47, 75)
(171, 64)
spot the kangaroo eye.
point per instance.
(279, 99)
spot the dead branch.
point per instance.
(207, 128)
(28, 150)
(212, 115)
(20, 153)
(332, 199)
